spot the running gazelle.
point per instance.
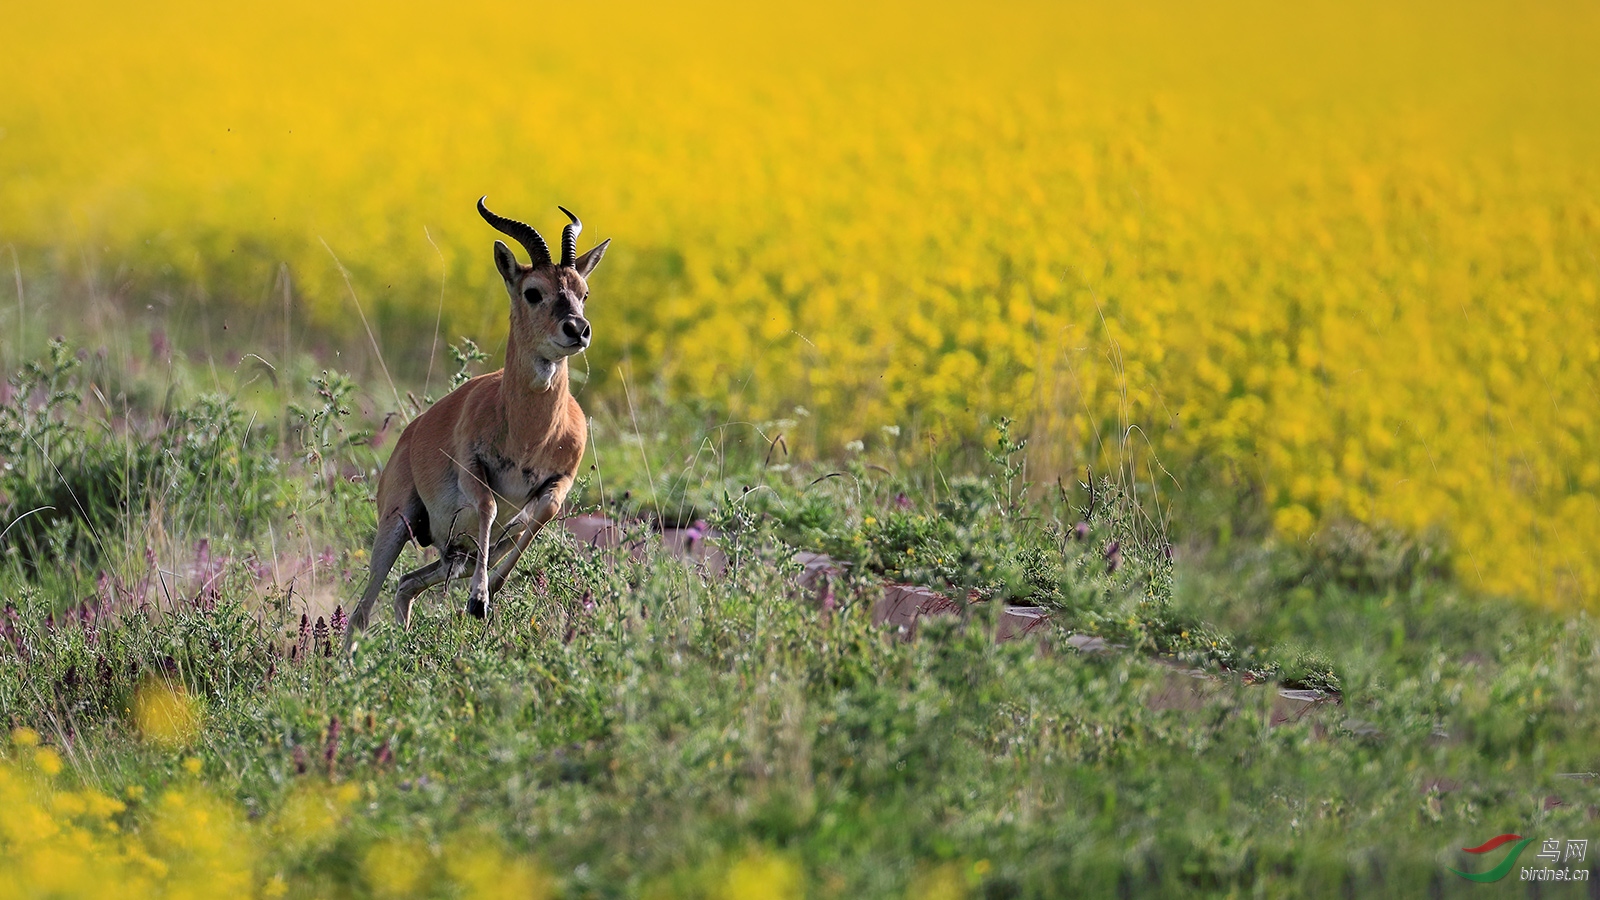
(482, 470)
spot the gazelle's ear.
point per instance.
(506, 262)
(586, 263)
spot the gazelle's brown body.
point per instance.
(481, 471)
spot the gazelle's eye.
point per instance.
(531, 295)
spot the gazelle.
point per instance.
(496, 457)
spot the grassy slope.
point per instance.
(633, 728)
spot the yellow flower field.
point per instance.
(59, 842)
(1345, 251)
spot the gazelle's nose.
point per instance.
(576, 329)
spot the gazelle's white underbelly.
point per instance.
(454, 520)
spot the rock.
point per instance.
(1293, 705)
(596, 531)
(1020, 621)
(1088, 643)
(904, 604)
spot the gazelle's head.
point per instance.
(547, 297)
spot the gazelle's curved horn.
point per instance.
(525, 234)
(569, 239)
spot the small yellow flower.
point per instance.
(394, 869)
(192, 765)
(766, 876)
(68, 804)
(25, 737)
(165, 713)
(47, 760)
(101, 806)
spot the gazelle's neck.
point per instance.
(528, 372)
(534, 393)
(538, 376)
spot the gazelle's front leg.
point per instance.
(535, 516)
(476, 485)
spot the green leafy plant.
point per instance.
(465, 355)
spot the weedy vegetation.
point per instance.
(632, 724)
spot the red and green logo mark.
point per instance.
(1502, 870)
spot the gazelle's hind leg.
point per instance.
(414, 583)
(501, 547)
(503, 556)
(536, 516)
(392, 536)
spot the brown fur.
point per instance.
(482, 470)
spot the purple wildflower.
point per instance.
(697, 532)
(330, 754)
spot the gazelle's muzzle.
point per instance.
(576, 332)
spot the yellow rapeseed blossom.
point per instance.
(60, 841)
(47, 760)
(165, 713)
(203, 844)
(1345, 252)
(395, 868)
(56, 841)
(944, 882)
(312, 813)
(763, 876)
(482, 871)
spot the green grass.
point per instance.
(638, 728)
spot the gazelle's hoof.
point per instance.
(476, 608)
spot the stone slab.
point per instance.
(903, 605)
